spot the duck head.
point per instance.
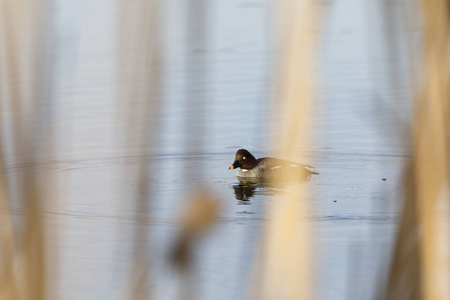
(244, 160)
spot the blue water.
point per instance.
(356, 146)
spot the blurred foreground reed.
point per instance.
(139, 104)
(26, 117)
(420, 266)
(285, 269)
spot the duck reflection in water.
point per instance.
(247, 188)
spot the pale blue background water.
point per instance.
(356, 145)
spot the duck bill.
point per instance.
(235, 165)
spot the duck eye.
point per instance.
(244, 157)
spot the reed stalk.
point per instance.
(419, 270)
(24, 267)
(138, 116)
(286, 262)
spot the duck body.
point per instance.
(268, 167)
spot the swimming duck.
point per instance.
(267, 167)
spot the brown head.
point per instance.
(244, 160)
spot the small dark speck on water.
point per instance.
(335, 201)
(384, 179)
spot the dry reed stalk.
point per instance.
(139, 100)
(8, 273)
(198, 215)
(21, 47)
(202, 207)
(419, 270)
(287, 256)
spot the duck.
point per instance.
(268, 167)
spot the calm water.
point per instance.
(353, 208)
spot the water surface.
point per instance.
(354, 209)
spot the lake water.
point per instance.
(356, 146)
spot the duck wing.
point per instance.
(271, 163)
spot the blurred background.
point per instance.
(119, 120)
